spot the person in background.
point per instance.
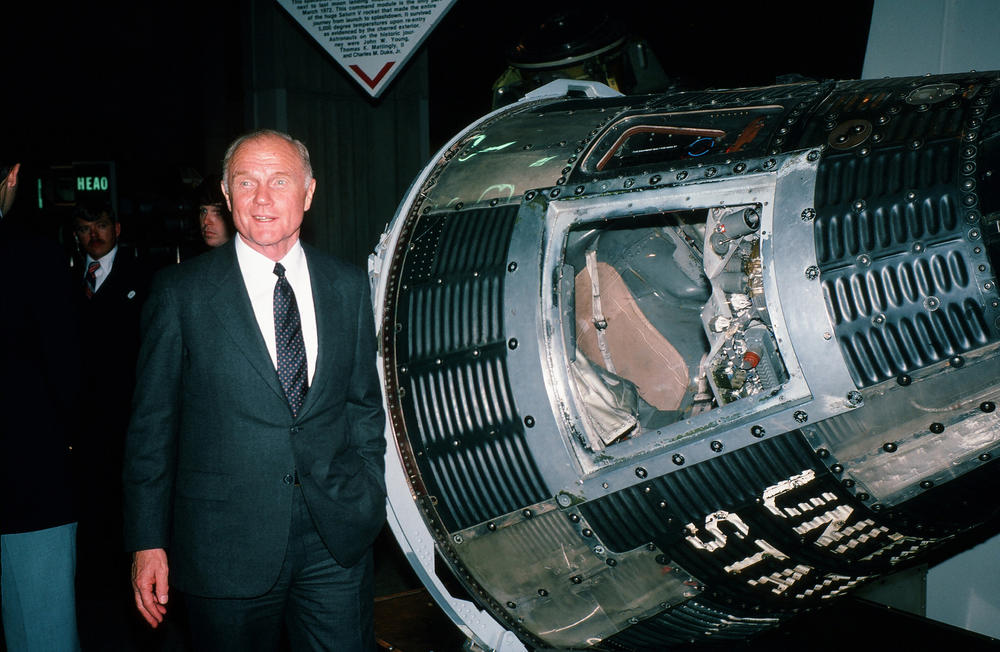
(215, 221)
(112, 287)
(38, 396)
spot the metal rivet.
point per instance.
(890, 447)
(662, 560)
(678, 459)
(458, 538)
(837, 468)
(808, 214)
(847, 482)
(587, 532)
(611, 562)
(575, 518)
(491, 526)
(511, 266)
(812, 272)
(877, 508)
(862, 496)
(640, 472)
(716, 446)
(956, 361)
(987, 406)
(653, 180)
(512, 343)
(812, 156)
(904, 380)
(984, 457)
(554, 193)
(529, 421)
(800, 416)
(854, 397)
(926, 484)
(740, 168)
(682, 175)
(757, 431)
(526, 513)
(578, 190)
(710, 172)
(511, 605)
(937, 428)
(542, 592)
(528, 196)
(576, 579)
(822, 453)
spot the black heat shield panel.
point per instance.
(454, 386)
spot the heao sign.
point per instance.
(371, 39)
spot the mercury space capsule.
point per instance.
(673, 368)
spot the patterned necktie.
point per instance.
(90, 280)
(292, 369)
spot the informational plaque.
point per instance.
(371, 39)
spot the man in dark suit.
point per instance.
(38, 386)
(254, 459)
(111, 286)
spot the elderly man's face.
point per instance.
(98, 237)
(268, 194)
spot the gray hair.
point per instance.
(265, 133)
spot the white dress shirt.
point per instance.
(259, 278)
(107, 261)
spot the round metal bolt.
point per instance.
(968, 184)
(812, 272)
(662, 504)
(740, 168)
(757, 431)
(574, 518)
(847, 482)
(878, 319)
(969, 200)
(526, 513)
(542, 592)
(916, 143)
(769, 163)
(956, 361)
(512, 343)
(491, 526)
(677, 459)
(640, 472)
(932, 303)
(611, 562)
(822, 453)
(555, 193)
(985, 457)
(710, 172)
(904, 380)
(890, 447)
(854, 397)
(511, 605)
(560, 181)
(800, 416)
(578, 190)
(528, 196)
(458, 538)
(662, 560)
(926, 484)
(862, 496)
(812, 156)
(587, 532)
(529, 421)
(937, 428)
(682, 175)
(564, 500)
(859, 205)
(494, 201)
(987, 406)
(972, 217)
(629, 183)
(837, 468)
(716, 446)
(655, 179)
(911, 196)
(598, 550)
(808, 214)
(576, 579)
(565, 170)
(864, 260)
(969, 152)
(511, 266)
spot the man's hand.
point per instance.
(149, 582)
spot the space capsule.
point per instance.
(673, 368)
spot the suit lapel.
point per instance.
(231, 305)
(328, 304)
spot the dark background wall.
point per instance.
(160, 89)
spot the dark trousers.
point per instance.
(323, 605)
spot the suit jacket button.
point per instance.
(288, 479)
